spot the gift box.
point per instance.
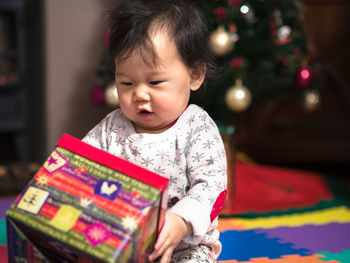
(86, 205)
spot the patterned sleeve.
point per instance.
(207, 173)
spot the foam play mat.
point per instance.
(286, 216)
(313, 233)
(313, 236)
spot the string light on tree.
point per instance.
(283, 35)
(260, 41)
(312, 100)
(238, 97)
(248, 13)
(244, 9)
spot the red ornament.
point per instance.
(233, 27)
(303, 77)
(284, 60)
(220, 14)
(273, 30)
(297, 53)
(98, 95)
(234, 3)
(237, 62)
(3, 80)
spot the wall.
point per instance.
(282, 132)
(73, 33)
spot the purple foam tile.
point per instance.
(333, 237)
(5, 204)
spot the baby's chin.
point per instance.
(151, 129)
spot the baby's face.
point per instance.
(153, 97)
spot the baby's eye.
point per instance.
(126, 83)
(156, 82)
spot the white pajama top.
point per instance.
(190, 153)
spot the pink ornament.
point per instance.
(98, 95)
(105, 40)
(303, 77)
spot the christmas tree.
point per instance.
(104, 91)
(261, 49)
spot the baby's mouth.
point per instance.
(144, 112)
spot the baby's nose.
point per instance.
(141, 93)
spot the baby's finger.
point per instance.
(158, 251)
(155, 254)
(159, 247)
(167, 256)
(163, 236)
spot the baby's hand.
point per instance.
(173, 231)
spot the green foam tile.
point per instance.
(343, 257)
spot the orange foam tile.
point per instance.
(229, 224)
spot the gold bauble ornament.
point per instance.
(238, 97)
(111, 95)
(221, 41)
(312, 100)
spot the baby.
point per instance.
(161, 60)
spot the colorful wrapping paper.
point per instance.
(86, 205)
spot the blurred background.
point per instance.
(284, 98)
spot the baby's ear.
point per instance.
(197, 77)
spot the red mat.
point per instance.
(261, 189)
(3, 254)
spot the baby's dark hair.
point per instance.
(132, 22)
